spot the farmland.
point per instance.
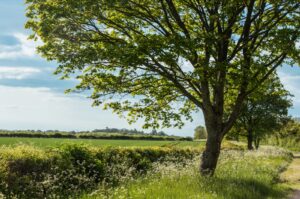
(54, 142)
(102, 168)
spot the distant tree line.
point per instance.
(106, 130)
(116, 130)
(119, 134)
(129, 131)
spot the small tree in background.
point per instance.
(200, 133)
(263, 112)
(288, 136)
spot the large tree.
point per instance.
(162, 60)
(263, 112)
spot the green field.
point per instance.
(54, 142)
(28, 168)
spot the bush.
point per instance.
(67, 172)
(287, 137)
(200, 133)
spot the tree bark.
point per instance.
(257, 142)
(250, 139)
(211, 153)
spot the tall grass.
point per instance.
(289, 142)
(240, 175)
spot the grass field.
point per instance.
(240, 173)
(53, 142)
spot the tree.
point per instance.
(264, 112)
(153, 132)
(161, 133)
(162, 60)
(200, 133)
(288, 136)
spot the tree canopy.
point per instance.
(162, 60)
(167, 51)
(263, 112)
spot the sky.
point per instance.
(31, 97)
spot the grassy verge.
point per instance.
(240, 175)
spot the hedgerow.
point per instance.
(91, 135)
(67, 172)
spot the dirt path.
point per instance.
(292, 176)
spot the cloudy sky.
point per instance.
(31, 97)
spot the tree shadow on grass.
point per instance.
(246, 189)
(296, 156)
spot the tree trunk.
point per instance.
(211, 153)
(257, 142)
(250, 139)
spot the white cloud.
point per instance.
(40, 108)
(291, 83)
(17, 72)
(26, 48)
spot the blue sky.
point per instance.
(33, 98)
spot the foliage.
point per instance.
(240, 174)
(115, 130)
(28, 172)
(287, 137)
(162, 52)
(263, 112)
(200, 133)
(106, 130)
(162, 60)
(92, 135)
(73, 170)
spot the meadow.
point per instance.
(55, 142)
(240, 175)
(98, 169)
(103, 168)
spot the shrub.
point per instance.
(67, 172)
(200, 133)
